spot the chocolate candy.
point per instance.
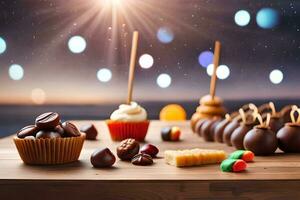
(289, 138)
(47, 121)
(276, 123)
(90, 131)
(170, 133)
(237, 137)
(233, 165)
(30, 130)
(261, 140)
(219, 130)
(59, 129)
(247, 156)
(198, 126)
(229, 130)
(142, 159)
(207, 129)
(45, 134)
(102, 158)
(70, 130)
(127, 149)
(285, 113)
(150, 150)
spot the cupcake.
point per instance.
(49, 142)
(129, 121)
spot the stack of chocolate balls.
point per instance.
(260, 130)
(48, 125)
(128, 150)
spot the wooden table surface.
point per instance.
(270, 177)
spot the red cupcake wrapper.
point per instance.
(123, 130)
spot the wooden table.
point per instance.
(274, 177)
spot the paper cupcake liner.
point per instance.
(123, 130)
(49, 151)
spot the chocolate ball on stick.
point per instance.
(276, 121)
(237, 137)
(261, 140)
(289, 136)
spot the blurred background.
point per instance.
(72, 56)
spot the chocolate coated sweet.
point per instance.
(142, 159)
(229, 130)
(285, 113)
(166, 133)
(289, 138)
(59, 129)
(30, 130)
(90, 131)
(150, 150)
(47, 121)
(207, 129)
(45, 134)
(198, 125)
(219, 130)
(237, 137)
(127, 149)
(70, 130)
(261, 140)
(102, 158)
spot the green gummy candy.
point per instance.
(237, 154)
(226, 165)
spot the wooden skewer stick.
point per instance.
(213, 80)
(132, 65)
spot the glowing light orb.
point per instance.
(77, 44)
(165, 35)
(267, 18)
(146, 61)
(38, 96)
(276, 76)
(223, 71)
(242, 18)
(16, 72)
(104, 75)
(205, 58)
(172, 112)
(164, 80)
(2, 45)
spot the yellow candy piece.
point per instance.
(172, 112)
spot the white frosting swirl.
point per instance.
(129, 113)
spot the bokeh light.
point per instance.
(223, 71)
(276, 76)
(104, 75)
(267, 18)
(242, 18)
(16, 72)
(205, 58)
(165, 35)
(2, 45)
(38, 96)
(164, 80)
(146, 61)
(77, 44)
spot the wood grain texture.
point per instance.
(272, 177)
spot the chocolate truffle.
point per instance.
(150, 149)
(207, 129)
(142, 159)
(237, 137)
(198, 126)
(289, 138)
(102, 158)
(70, 130)
(229, 130)
(261, 140)
(90, 131)
(127, 149)
(219, 129)
(285, 113)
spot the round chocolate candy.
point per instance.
(166, 133)
(30, 130)
(59, 129)
(47, 134)
(219, 130)
(237, 137)
(142, 159)
(90, 131)
(207, 129)
(47, 121)
(289, 138)
(285, 113)
(127, 149)
(198, 126)
(276, 123)
(70, 130)
(102, 158)
(229, 130)
(261, 140)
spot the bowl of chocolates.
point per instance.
(49, 141)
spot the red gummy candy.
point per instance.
(239, 165)
(248, 156)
